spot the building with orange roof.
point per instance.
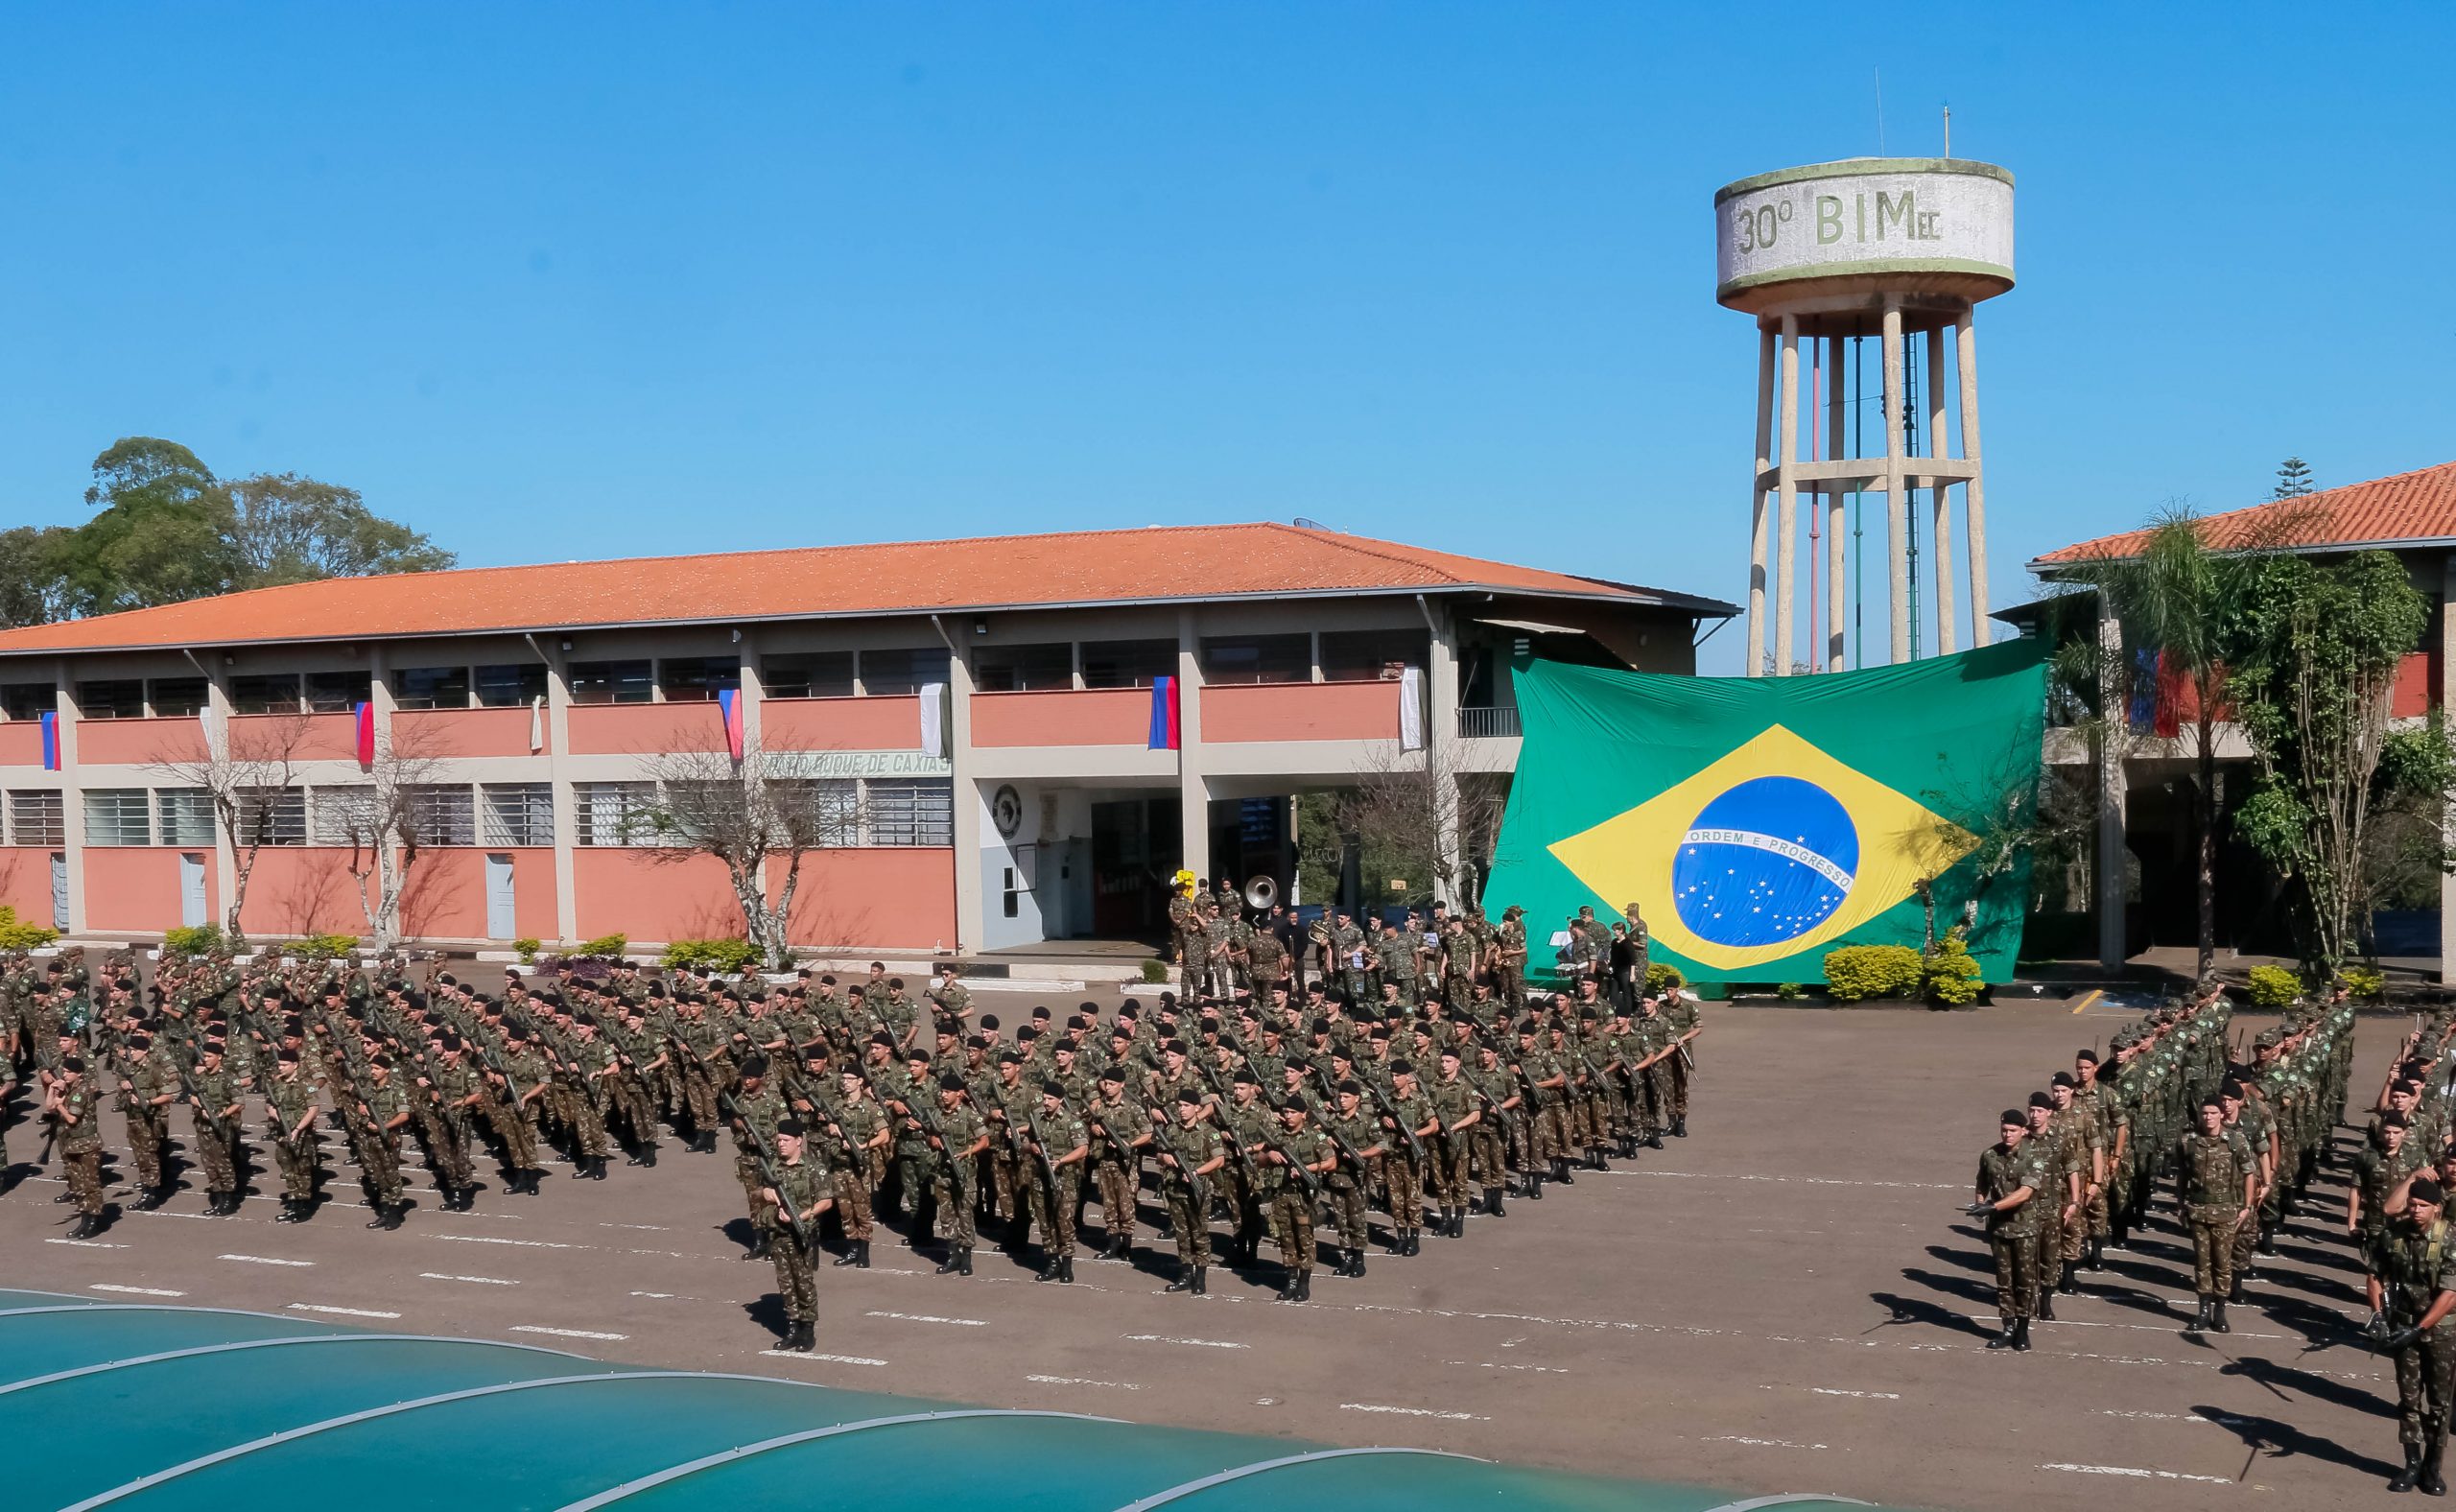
(2145, 798)
(979, 712)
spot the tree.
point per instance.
(389, 822)
(2293, 479)
(286, 528)
(249, 772)
(32, 590)
(2314, 650)
(156, 536)
(1402, 811)
(748, 813)
(2171, 600)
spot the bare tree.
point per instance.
(747, 814)
(1401, 809)
(249, 772)
(389, 822)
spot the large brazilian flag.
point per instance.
(1758, 822)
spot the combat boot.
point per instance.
(1654, 1138)
(2199, 1320)
(953, 1263)
(1066, 1270)
(2407, 1478)
(1201, 1281)
(153, 1197)
(1355, 1264)
(1457, 1222)
(1047, 1268)
(2431, 1484)
(1561, 1171)
(2045, 1304)
(758, 1246)
(2267, 1245)
(387, 1218)
(1412, 1244)
(1184, 1281)
(1534, 1186)
(1287, 1291)
(2022, 1335)
(809, 1337)
(861, 1254)
(1679, 1126)
(2235, 1294)
(1595, 1158)
(2003, 1339)
(1305, 1293)
(852, 1255)
(1492, 1203)
(2217, 1316)
(648, 1154)
(86, 1227)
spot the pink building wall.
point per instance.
(887, 723)
(21, 743)
(1063, 717)
(1301, 711)
(845, 897)
(25, 882)
(135, 743)
(446, 896)
(301, 889)
(453, 733)
(625, 729)
(136, 888)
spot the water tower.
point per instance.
(1900, 249)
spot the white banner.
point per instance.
(934, 720)
(1412, 709)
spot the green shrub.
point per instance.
(526, 949)
(728, 956)
(1789, 991)
(1949, 976)
(2363, 984)
(1155, 971)
(2274, 986)
(1856, 973)
(18, 935)
(321, 947)
(605, 947)
(199, 939)
(1662, 977)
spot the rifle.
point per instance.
(1296, 1169)
(1040, 1153)
(1389, 1110)
(767, 1173)
(1197, 1188)
(1347, 1152)
(196, 1100)
(1236, 1146)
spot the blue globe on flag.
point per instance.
(1767, 861)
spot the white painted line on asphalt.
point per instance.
(1541, 1370)
(1805, 1181)
(924, 1317)
(485, 1239)
(833, 1360)
(2145, 1327)
(2211, 1419)
(346, 1313)
(268, 1260)
(1199, 1343)
(1423, 1412)
(2138, 1475)
(568, 1333)
(84, 1243)
(1077, 1381)
(136, 1291)
(1761, 1443)
(663, 1296)
(654, 1228)
(482, 1281)
(1838, 1391)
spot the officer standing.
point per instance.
(2413, 1290)
(2010, 1176)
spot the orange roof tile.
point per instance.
(2404, 509)
(1160, 563)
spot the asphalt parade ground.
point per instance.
(1785, 1301)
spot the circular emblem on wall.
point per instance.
(1007, 809)
(1767, 861)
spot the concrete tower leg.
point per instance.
(2108, 875)
(1895, 497)
(1786, 511)
(1974, 498)
(1941, 500)
(1837, 403)
(1757, 513)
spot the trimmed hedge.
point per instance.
(1856, 973)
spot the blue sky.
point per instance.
(562, 281)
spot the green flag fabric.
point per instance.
(1757, 824)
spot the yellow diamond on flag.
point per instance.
(1774, 849)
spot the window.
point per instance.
(177, 695)
(38, 817)
(615, 813)
(1258, 658)
(517, 684)
(262, 692)
(338, 692)
(431, 688)
(442, 814)
(121, 698)
(823, 811)
(1022, 669)
(518, 813)
(912, 811)
(28, 700)
(811, 674)
(187, 816)
(118, 817)
(344, 816)
(1364, 655)
(899, 673)
(272, 816)
(696, 679)
(1127, 664)
(611, 682)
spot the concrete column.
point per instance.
(225, 845)
(753, 691)
(72, 799)
(1786, 492)
(1440, 731)
(2108, 874)
(1941, 500)
(1838, 404)
(1975, 496)
(1895, 505)
(1757, 493)
(964, 801)
(559, 745)
(2448, 702)
(1193, 788)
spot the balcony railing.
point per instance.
(1494, 724)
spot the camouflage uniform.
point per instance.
(2209, 1168)
(2013, 1236)
(2414, 1266)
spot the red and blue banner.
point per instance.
(364, 715)
(1165, 731)
(729, 705)
(50, 741)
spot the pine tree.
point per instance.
(2293, 479)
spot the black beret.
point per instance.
(2039, 1100)
(950, 1083)
(1052, 1089)
(2015, 1116)
(2425, 1190)
(789, 1126)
